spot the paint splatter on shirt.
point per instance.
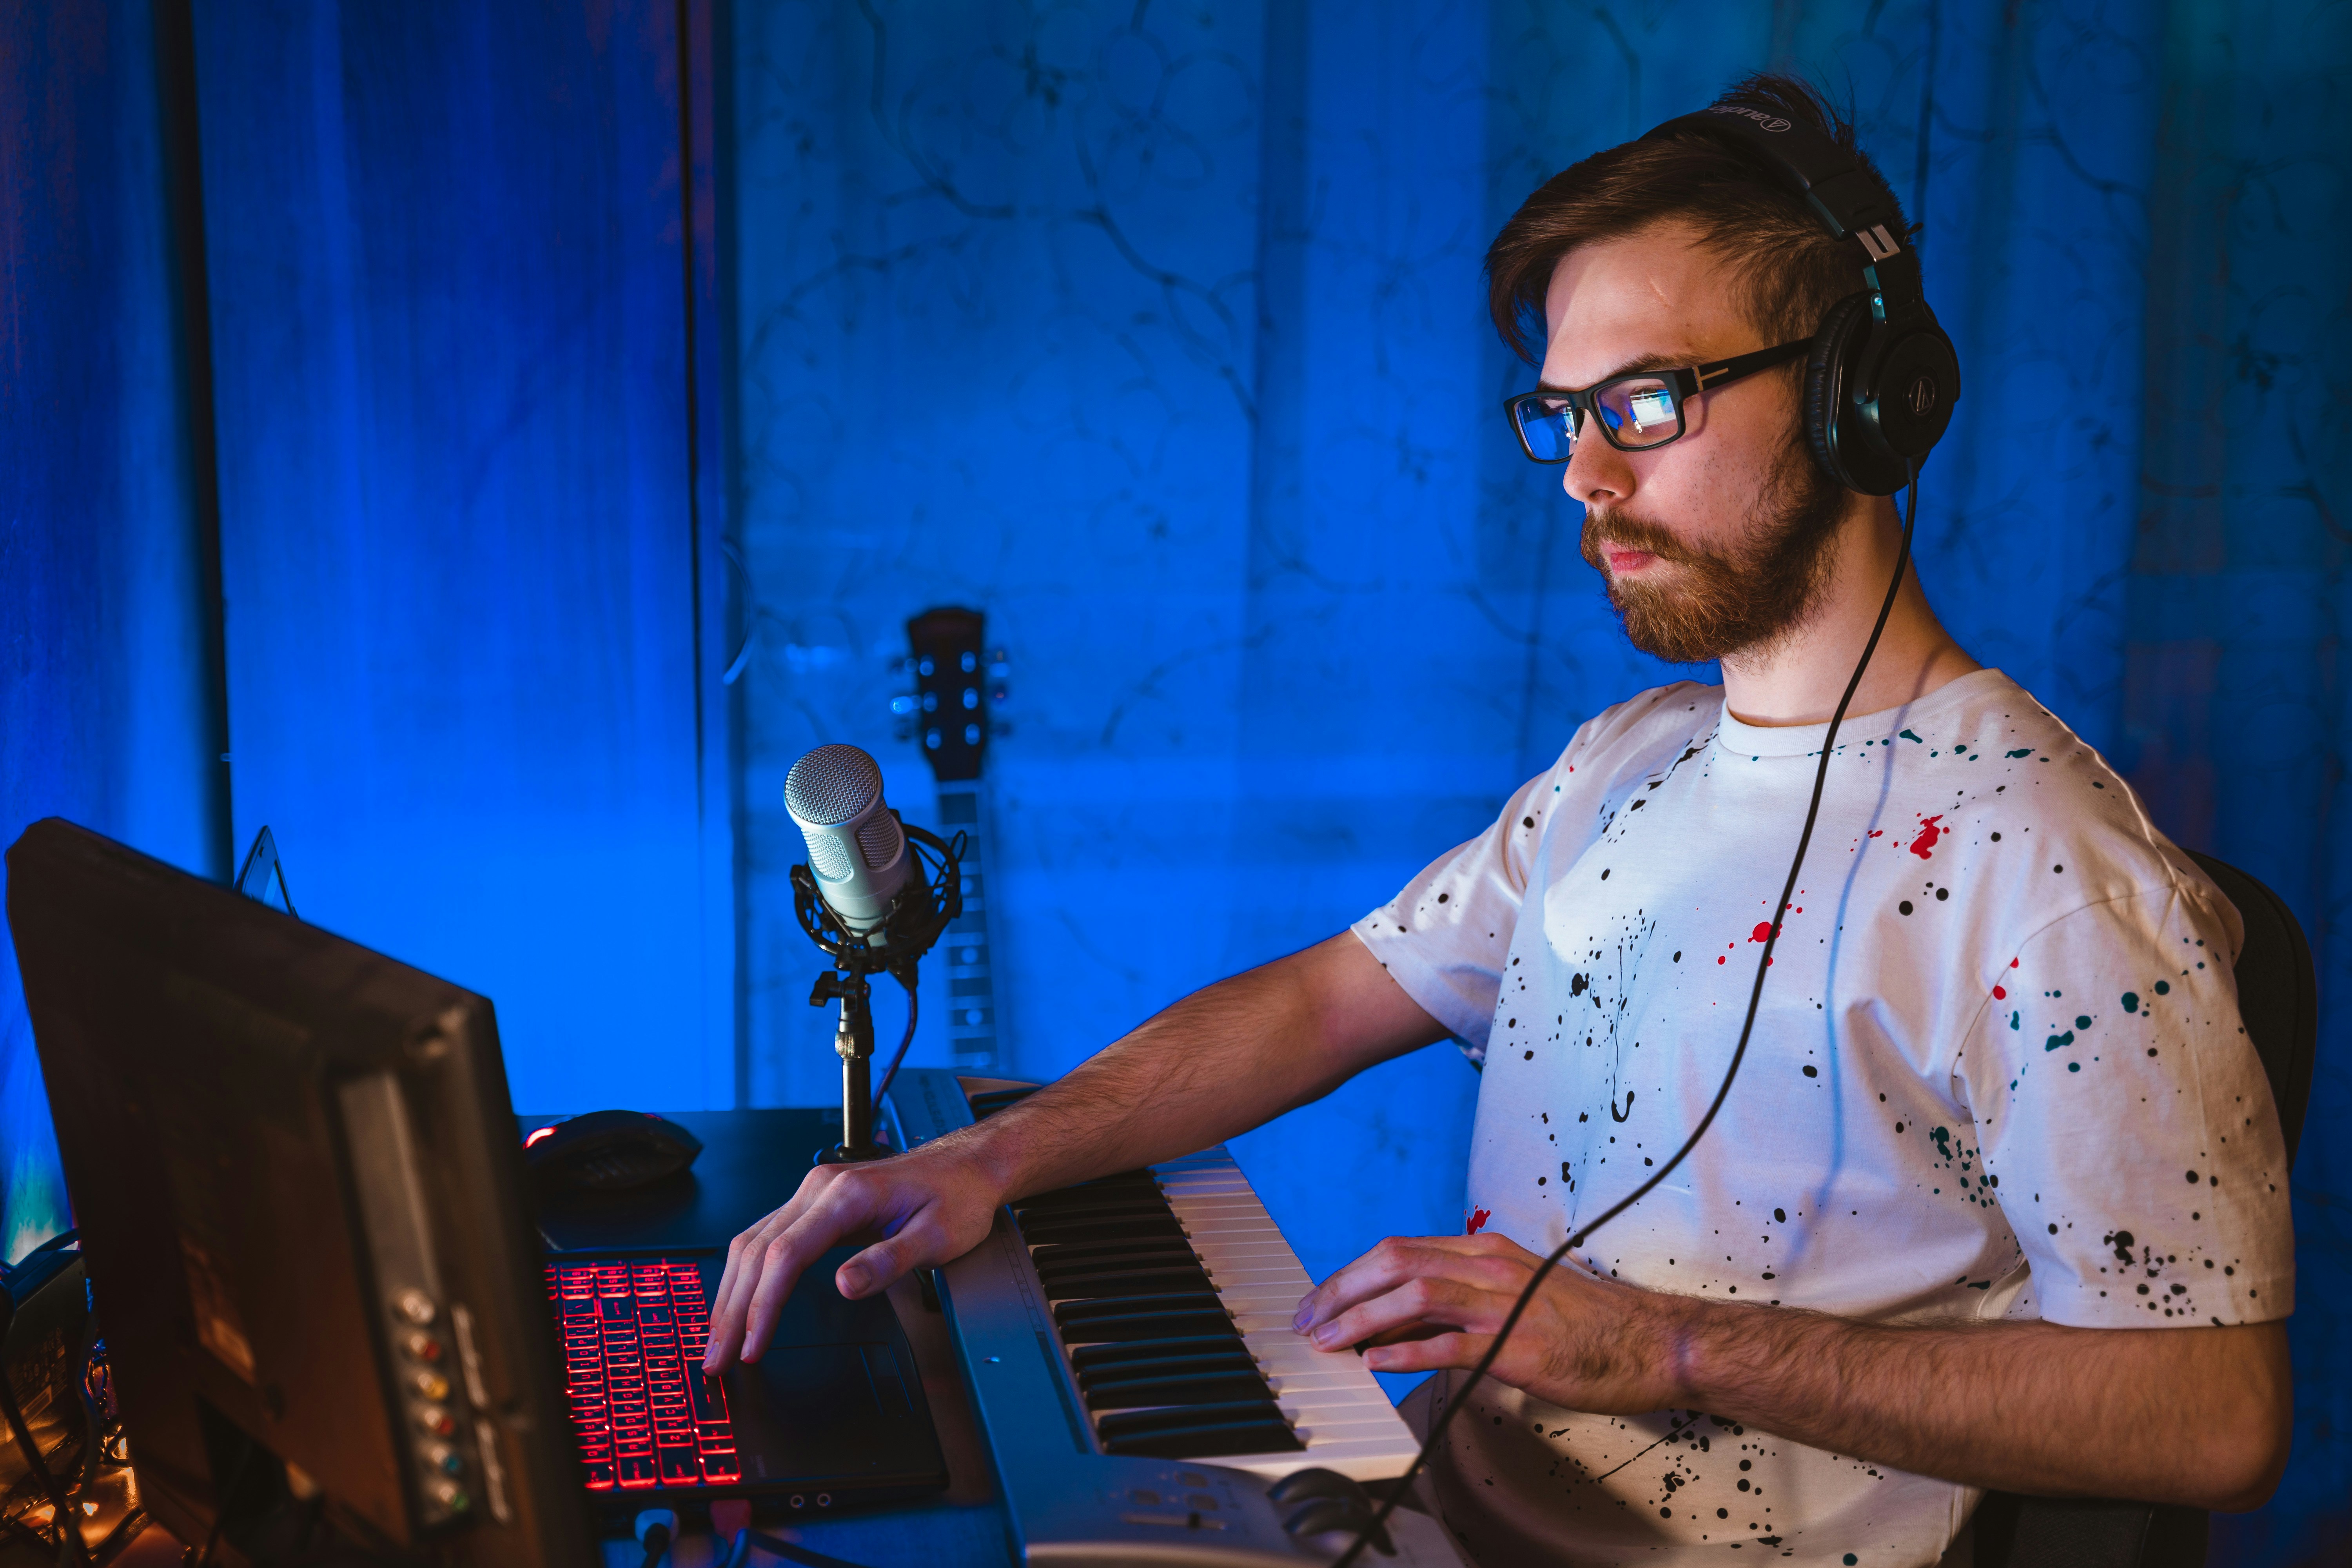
(1997, 1070)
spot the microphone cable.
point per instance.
(1378, 1521)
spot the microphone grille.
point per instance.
(880, 839)
(832, 785)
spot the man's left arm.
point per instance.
(2197, 1416)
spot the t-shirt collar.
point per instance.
(1743, 740)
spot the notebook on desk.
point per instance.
(302, 1206)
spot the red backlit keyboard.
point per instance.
(633, 1333)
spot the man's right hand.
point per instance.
(917, 1209)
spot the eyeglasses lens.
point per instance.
(1640, 411)
(1548, 427)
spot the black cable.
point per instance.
(904, 1041)
(790, 1553)
(223, 1502)
(69, 1540)
(1747, 1025)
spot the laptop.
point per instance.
(303, 1209)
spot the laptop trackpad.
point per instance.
(839, 1411)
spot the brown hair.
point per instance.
(1788, 269)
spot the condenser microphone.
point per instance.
(855, 847)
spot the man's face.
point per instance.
(1719, 543)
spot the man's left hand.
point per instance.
(1426, 1302)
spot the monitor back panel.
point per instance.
(301, 1203)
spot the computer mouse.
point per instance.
(608, 1151)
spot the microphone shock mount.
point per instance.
(932, 899)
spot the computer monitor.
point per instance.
(302, 1209)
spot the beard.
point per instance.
(1744, 600)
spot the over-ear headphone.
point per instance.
(1882, 377)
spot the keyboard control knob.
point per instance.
(416, 1307)
(450, 1495)
(444, 1458)
(423, 1347)
(434, 1420)
(430, 1385)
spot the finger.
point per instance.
(846, 1210)
(746, 1262)
(1452, 1349)
(1420, 1299)
(742, 1259)
(882, 1265)
(745, 1257)
(1387, 1266)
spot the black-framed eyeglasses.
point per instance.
(1634, 412)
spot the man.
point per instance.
(1999, 1197)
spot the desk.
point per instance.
(751, 1162)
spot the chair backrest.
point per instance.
(2278, 991)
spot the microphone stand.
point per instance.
(931, 898)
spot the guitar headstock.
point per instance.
(958, 683)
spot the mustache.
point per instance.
(1627, 531)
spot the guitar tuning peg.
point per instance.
(1000, 695)
(904, 703)
(999, 664)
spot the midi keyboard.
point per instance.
(1128, 1349)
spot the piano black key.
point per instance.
(1189, 1388)
(1039, 1233)
(1146, 1325)
(1085, 1286)
(1121, 1207)
(1123, 1182)
(1272, 1437)
(1237, 1359)
(1089, 1357)
(1128, 1422)
(1072, 1313)
(1111, 1251)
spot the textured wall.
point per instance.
(1156, 333)
(104, 705)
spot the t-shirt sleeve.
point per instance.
(1446, 936)
(2127, 1124)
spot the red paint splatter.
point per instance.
(1763, 929)
(1718, 961)
(1478, 1218)
(1928, 833)
(2013, 963)
(1998, 994)
(1878, 833)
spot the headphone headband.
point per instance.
(1843, 194)
(1880, 377)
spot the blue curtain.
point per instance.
(1157, 333)
(105, 711)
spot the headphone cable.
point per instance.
(1378, 1522)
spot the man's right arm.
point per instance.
(1217, 1063)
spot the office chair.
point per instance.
(2278, 996)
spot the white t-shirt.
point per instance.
(1998, 1071)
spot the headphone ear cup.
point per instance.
(1830, 368)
